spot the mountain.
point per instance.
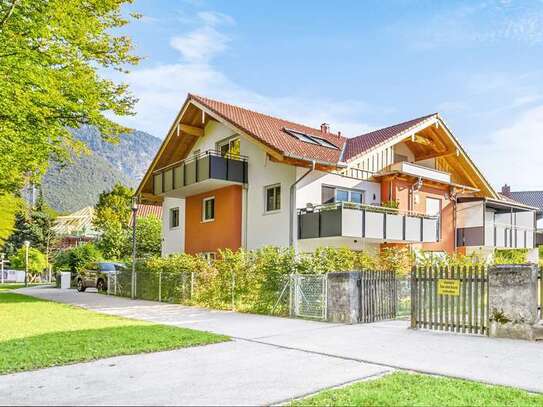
(76, 185)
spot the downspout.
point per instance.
(293, 207)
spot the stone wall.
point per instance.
(343, 297)
(513, 301)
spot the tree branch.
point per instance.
(9, 13)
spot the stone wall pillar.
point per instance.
(513, 301)
(343, 302)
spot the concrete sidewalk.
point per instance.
(372, 347)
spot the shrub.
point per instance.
(511, 256)
(77, 258)
(37, 262)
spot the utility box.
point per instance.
(65, 280)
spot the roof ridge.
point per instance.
(193, 95)
(530, 191)
(397, 124)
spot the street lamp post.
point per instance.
(134, 212)
(2, 256)
(27, 245)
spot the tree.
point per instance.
(76, 258)
(37, 262)
(148, 237)
(114, 208)
(51, 54)
(114, 242)
(34, 225)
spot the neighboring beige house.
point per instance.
(75, 228)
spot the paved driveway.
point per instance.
(273, 359)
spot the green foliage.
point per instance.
(37, 334)
(10, 205)
(76, 258)
(430, 259)
(34, 225)
(37, 262)
(114, 242)
(511, 256)
(148, 236)
(249, 281)
(114, 207)
(51, 53)
(390, 204)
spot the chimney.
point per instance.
(506, 190)
(325, 128)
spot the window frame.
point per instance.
(227, 142)
(266, 189)
(349, 191)
(204, 201)
(171, 212)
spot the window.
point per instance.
(229, 147)
(209, 256)
(208, 209)
(331, 194)
(310, 139)
(273, 198)
(174, 218)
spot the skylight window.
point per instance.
(306, 138)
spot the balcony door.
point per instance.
(433, 208)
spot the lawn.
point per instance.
(405, 389)
(36, 333)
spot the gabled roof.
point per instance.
(530, 198)
(77, 223)
(269, 130)
(360, 144)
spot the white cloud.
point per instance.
(512, 154)
(162, 89)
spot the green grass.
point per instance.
(36, 333)
(405, 389)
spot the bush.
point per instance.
(77, 258)
(37, 262)
(511, 256)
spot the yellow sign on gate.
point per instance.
(448, 287)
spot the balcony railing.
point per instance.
(346, 219)
(210, 164)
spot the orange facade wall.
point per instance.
(399, 190)
(222, 233)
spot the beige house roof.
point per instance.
(76, 224)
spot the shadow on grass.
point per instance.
(59, 348)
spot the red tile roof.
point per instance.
(145, 211)
(358, 145)
(269, 131)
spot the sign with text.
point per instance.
(448, 287)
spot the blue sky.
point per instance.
(357, 65)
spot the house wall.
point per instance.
(224, 232)
(173, 240)
(263, 228)
(213, 133)
(309, 190)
